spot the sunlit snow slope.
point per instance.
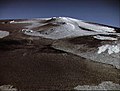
(62, 27)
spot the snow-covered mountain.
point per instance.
(63, 27)
(106, 51)
(59, 53)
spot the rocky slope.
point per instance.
(58, 53)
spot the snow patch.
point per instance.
(3, 34)
(110, 48)
(30, 21)
(96, 28)
(27, 30)
(27, 21)
(31, 32)
(12, 21)
(104, 38)
(106, 85)
(8, 88)
(71, 25)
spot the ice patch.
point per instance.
(110, 48)
(107, 85)
(104, 38)
(3, 34)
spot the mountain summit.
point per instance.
(63, 27)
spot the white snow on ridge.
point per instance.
(27, 21)
(104, 38)
(96, 28)
(110, 48)
(93, 27)
(30, 21)
(33, 23)
(72, 26)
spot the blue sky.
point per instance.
(99, 11)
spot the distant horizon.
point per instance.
(98, 11)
